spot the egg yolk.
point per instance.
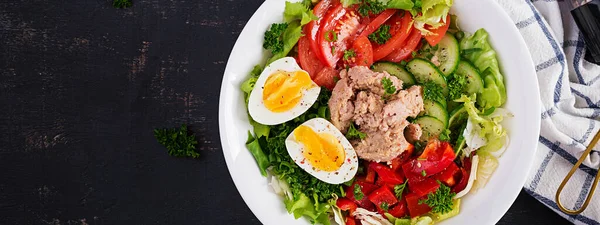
(322, 150)
(283, 90)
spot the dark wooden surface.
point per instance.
(82, 85)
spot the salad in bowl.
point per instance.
(375, 111)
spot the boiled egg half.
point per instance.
(282, 92)
(320, 149)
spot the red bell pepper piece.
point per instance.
(424, 187)
(402, 158)
(370, 178)
(434, 159)
(346, 205)
(365, 188)
(449, 176)
(414, 208)
(383, 195)
(464, 180)
(400, 210)
(386, 174)
(350, 220)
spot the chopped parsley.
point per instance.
(385, 206)
(381, 35)
(371, 7)
(456, 85)
(348, 54)
(177, 142)
(121, 4)
(331, 36)
(273, 37)
(354, 133)
(441, 200)
(433, 92)
(445, 135)
(388, 86)
(423, 173)
(399, 189)
(333, 50)
(358, 194)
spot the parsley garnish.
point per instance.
(354, 133)
(358, 194)
(381, 35)
(371, 6)
(433, 91)
(445, 135)
(331, 36)
(456, 85)
(385, 206)
(441, 200)
(121, 4)
(333, 50)
(348, 54)
(273, 39)
(398, 189)
(423, 173)
(177, 142)
(388, 86)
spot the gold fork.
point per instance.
(568, 177)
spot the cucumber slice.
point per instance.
(458, 117)
(474, 82)
(395, 70)
(431, 126)
(448, 54)
(425, 71)
(437, 110)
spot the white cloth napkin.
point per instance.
(570, 95)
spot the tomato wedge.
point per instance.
(407, 48)
(312, 28)
(308, 59)
(363, 53)
(399, 28)
(339, 25)
(346, 205)
(377, 22)
(326, 77)
(438, 33)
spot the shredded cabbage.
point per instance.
(433, 13)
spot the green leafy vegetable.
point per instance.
(121, 4)
(377, 6)
(177, 142)
(348, 54)
(398, 189)
(441, 200)
(433, 91)
(273, 37)
(358, 194)
(432, 15)
(400, 4)
(445, 135)
(388, 86)
(371, 7)
(347, 3)
(304, 206)
(456, 85)
(290, 37)
(381, 35)
(298, 11)
(478, 50)
(423, 173)
(385, 206)
(354, 133)
(261, 159)
(487, 126)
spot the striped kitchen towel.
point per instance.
(570, 95)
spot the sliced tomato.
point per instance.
(400, 210)
(465, 172)
(386, 174)
(400, 27)
(424, 187)
(312, 28)
(383, 196)
(346, 205)
(307, 58)
(434, 159)
(410, 45)
(338, 27)
(350, 220)
(377, 22)
(414, 207)
(326, 77)
(438, 33)
(449, 176)
(363, 53)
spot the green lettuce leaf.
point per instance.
(347, 3)
(304, 206)
(433, 13)
(261, 159)
(298, 11)
(479, 51)
(400, 4)
(290, 37)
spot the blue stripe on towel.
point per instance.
(577, 58)
(566, 155)
(549, 113)
(587, 99)
(540, 172)
(585, 189)
(525, 23)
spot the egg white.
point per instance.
(348, 169)
(256, 106)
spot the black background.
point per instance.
(82, 86)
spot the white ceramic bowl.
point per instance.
(486, 206)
